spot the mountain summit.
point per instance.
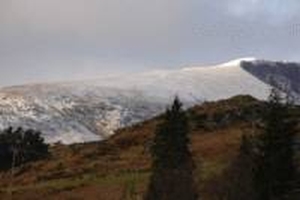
(92, 110)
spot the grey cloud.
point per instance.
(107, 21)
(48, 40)
(274, 11)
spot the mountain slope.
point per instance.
(193, 83)
(286, 74)
(91, 110)
(120, 166)
(69, 114)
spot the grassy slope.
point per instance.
(119, 167)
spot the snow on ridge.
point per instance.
(237, 62)
(206, 83)
(93, 110)
(232, 63)
(72, 113)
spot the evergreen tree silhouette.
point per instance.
(172, 176)
(275, 173)
(239, 183)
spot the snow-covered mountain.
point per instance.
(91, 110)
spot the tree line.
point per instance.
(19, 146)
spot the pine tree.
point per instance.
(172, 176)
(239, 183)
(275, 171)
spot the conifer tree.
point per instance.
(239, 183)
(172, 176)
(275, 170)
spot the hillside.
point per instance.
(92, 110)
(119, 167)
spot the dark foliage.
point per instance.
(265, 168)
(275, 173)
(172, 176)
(20, 146)
(239, 182)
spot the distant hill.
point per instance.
(92, 110)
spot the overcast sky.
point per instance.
(50, 40)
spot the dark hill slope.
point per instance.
(287, 73)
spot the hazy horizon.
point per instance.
(57, 40)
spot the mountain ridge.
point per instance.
(92, 110)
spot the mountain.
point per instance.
(91, 110)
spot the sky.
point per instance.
(58, 40)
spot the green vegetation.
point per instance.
(128, 179)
